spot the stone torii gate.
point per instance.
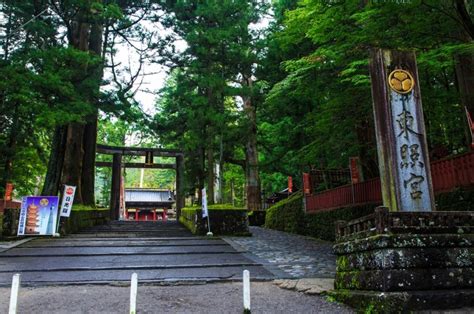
(117, 165)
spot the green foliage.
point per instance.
(213, 207)
(457, 200)
(318, 109)
(199, 111)
(39, 94)
(52, 80)
(286, 215)
(153, 178)
(80, 207)
(234, 185)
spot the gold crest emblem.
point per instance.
(44, 202)
(401, 81)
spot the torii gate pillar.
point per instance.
(179, 184)
(115, 189)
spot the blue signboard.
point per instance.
(38, 215)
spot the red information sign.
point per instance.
(306, 183)
(355, 175)
(290, 185)
(8, 192)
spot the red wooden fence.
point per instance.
(447, 174)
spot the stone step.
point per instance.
(169, 275)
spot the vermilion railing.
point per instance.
(447, 174)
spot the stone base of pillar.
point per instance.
(403, 302)
(403, 261)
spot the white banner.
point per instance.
(68, 199)
(204, 203)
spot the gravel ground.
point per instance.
(208, 298)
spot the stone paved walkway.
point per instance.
(297, 256)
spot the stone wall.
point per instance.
(257, 218)
(10, 222)
(403, 261)
(81, 219)
(223, 221)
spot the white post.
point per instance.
(246, 279)
(14, 294)
(133, 294)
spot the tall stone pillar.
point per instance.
(411, 258)
(400, 129)
(115, 189)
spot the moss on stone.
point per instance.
(371, 301)
(80, 207)
(84, 218)
(461, 199)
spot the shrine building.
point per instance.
(148, 204)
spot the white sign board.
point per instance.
(204, 203)
(68, 199)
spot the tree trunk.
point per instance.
(10, 155)
(67, 148)
(251, 154)
(465, 81)
(366, 140)
(88, 169)
(90, 131)
(210, 175)
(465, 61)
(201, 176)
(220, 177)
(9, 151)
(55, 164)
(78, 137)
(73, 156)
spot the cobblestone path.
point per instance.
(297, 256)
